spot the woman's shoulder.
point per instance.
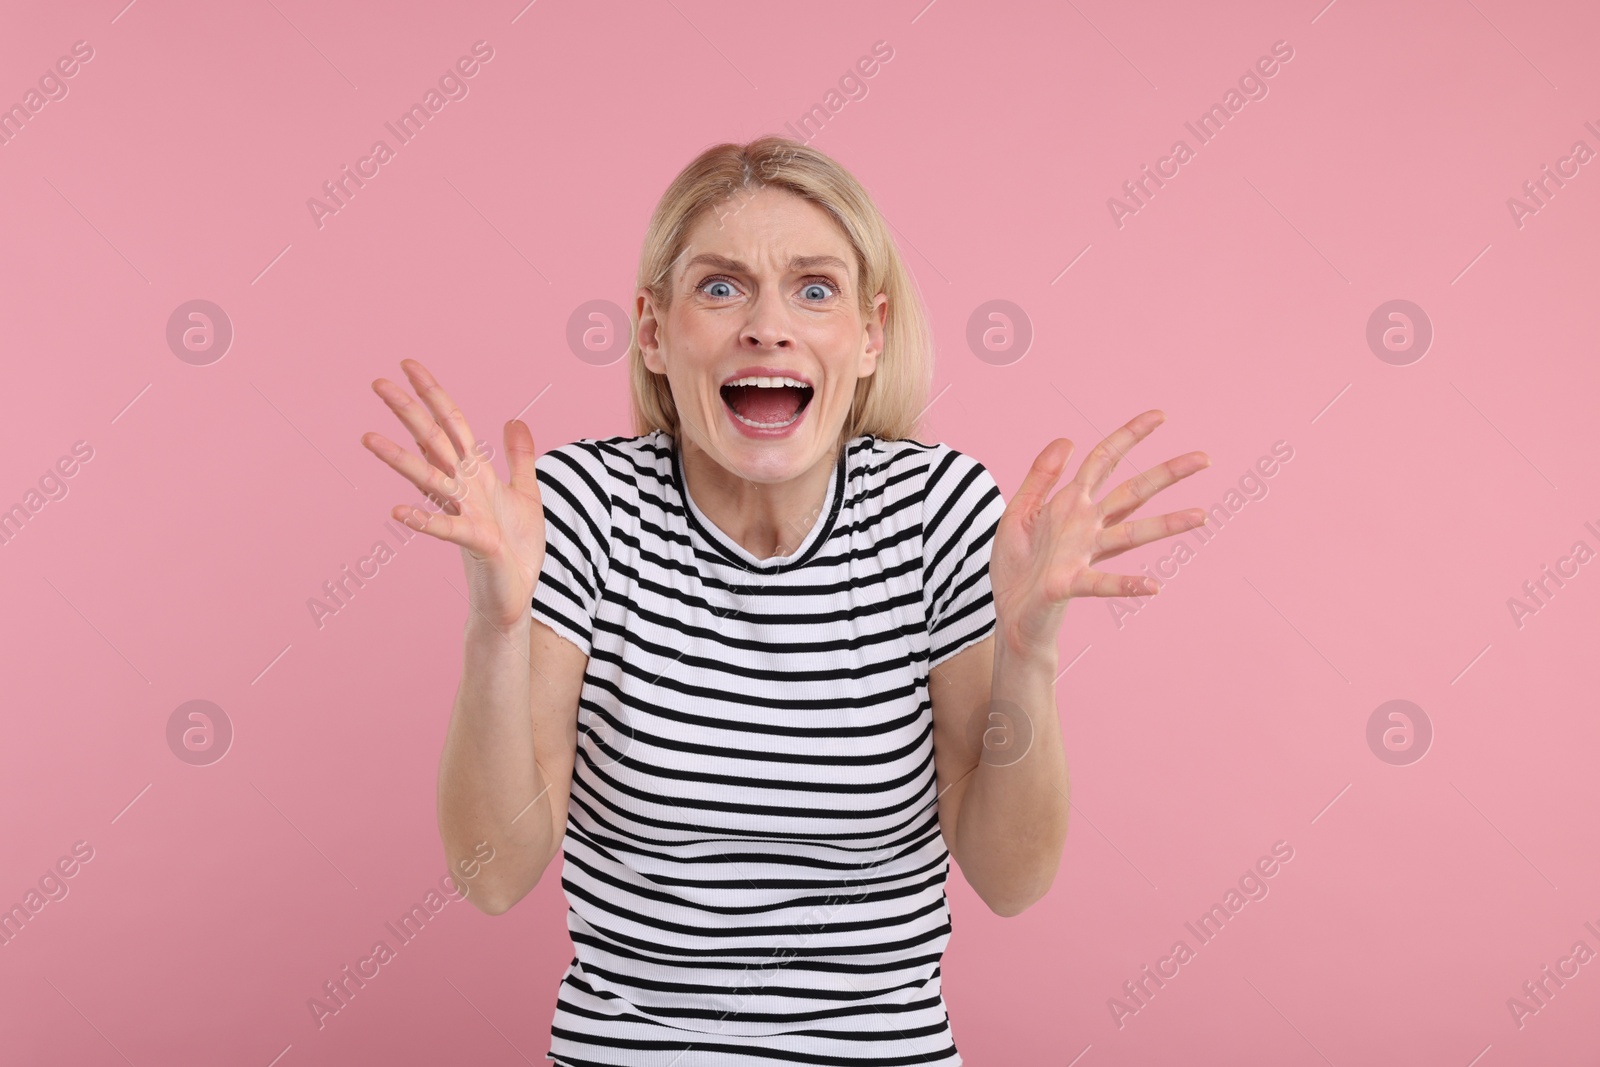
(611, 457)
(934, 464)
(654, 442)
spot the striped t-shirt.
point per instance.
(753, 863)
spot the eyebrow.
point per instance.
(795, 263)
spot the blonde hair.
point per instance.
(888, 404)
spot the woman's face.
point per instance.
(764, 340)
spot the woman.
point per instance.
(782, 661)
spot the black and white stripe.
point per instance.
(753, 862)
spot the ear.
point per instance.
(876, 316)
(649, 331)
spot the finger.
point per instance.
(1115, 540)
(1094, 583)
(1046, 469)
(445, 411)
(520, 455)
(434, 524)
(444, 490)
(432, 442)
(1108, 453)
(1126, 498)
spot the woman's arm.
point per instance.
(1002, 771)
(506, 770)
(509, 748)
(997, 738)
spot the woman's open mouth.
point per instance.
(766, 403)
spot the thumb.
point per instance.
(1042, 476)
(520, 457)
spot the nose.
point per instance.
(768, 324)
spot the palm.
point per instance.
(1046, 547)
(508, 527)
(499, 526)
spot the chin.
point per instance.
(771, 461)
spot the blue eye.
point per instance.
(717, 281)
(827, 290)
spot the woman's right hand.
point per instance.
(498, 526)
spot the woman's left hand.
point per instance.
(1045, 547)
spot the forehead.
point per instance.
(768, 229)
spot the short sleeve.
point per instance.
(961, 508)
(573, 481)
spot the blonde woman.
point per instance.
(758, 671)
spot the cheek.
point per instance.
(839, 345)
(691, 357)
(684, 340)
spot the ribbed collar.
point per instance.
(736, 553)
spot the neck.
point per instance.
(766, 519)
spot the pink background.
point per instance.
(1228, 715)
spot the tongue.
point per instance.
(764, 405)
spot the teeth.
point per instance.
(770, 383)
(764, 425)
(765, 382)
